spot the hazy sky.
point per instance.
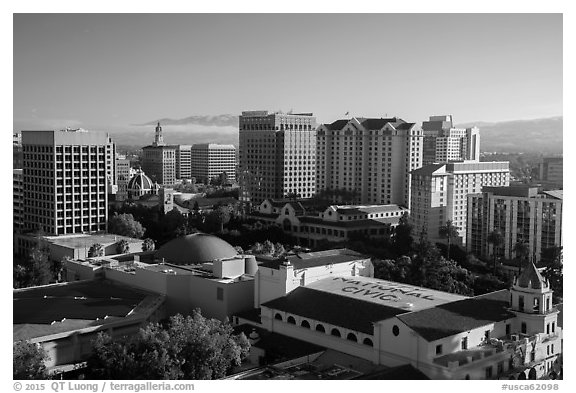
(115, 70)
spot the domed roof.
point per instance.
(140, 182)
(531, 278)
(195, 248)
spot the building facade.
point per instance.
(18, 200)
(183, 161)
(369, 158)
(440, 193)
(444, 143)
(551, 172)
(65, 179)
(210, 160)
(277, 155)
(159, 160)
(123, 176)
(521, 214)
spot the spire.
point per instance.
(531, 278)
(159, 139)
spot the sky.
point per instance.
(116, 70)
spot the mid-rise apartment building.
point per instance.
(210, 160)
(371, 158)
(65, 178)
(521, 214)
(277, 155)
(440, 193)
(444, 143)
(159, 160)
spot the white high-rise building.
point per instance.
(440, 193)
(370, 159)
(209, 160)
(183, 161)
(65, 179)
(277, 155)
(444, 143)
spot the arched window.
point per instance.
(395, 330)
(336, 332)
(320, 328)
(305, 324)
(368, 342)
(352, 337)
(278, 316)
(291, 320)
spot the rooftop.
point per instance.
(456, 317)
(334, 309)
(314, 259)
(45, 310)
(86, 241)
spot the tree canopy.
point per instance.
(125, 225)
(28, 361)
(191, 347)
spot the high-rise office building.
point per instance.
(444, 143)
(210, 160)
(521, 214)
(277, 155)
(65, 179)
(551, 172)
(18, 199)
(440, 192)
(159, 160)
(183, 161)
(123, 175)
(17, 150)
(369, 158)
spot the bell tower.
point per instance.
(158, 138)
(531, 301)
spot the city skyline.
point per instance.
(134, 68)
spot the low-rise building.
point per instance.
(334, 223)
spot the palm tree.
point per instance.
(522, 251)
(496, 239)
(449, 231)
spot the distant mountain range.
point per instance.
(530, 136)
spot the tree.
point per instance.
(256, 248)
(552, 260)
(279, 250)
(268, 248)
(39, 263)
(123, 247)
(239, 250)
(191, 347)
(496, 239)
(125, 225)
(402, 240)
(148, 245)
(28, 361)
(21, 277)
(449, 231)
(96, 250)
(522, 251)
(219, 217)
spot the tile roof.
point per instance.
(406, 372)
(456, 317)
(378, 124)
(381, 221)
(337, 125)
(334, 309)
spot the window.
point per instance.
(508, 329)
(487, 335)
(278, 317)
(547, 328)
(521, 302)
(368, 342)
(488, 372)
(219, 293)
(500, 368)
(395, 330)
(553, 327)
(305, 324)
(464, 343)
(439, 349)
(336, 332)
(351, 337)
(320, 328)
(523, 328)
(291, 320)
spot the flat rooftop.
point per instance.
(51, 309)
(86, 241)
(387, 293)
(314, 259)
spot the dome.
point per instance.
(195, 248)
(140, 182)
(531, 278)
